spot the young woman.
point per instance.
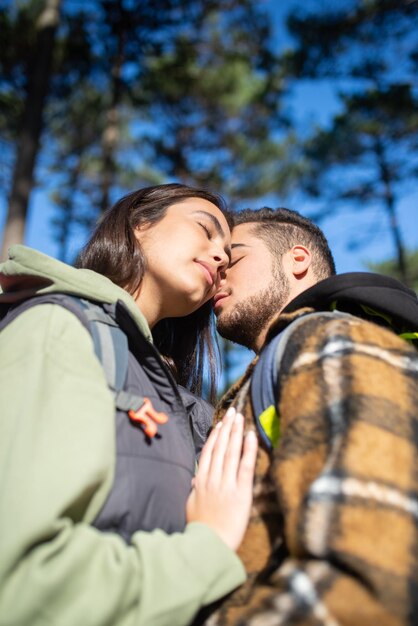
(83, 486)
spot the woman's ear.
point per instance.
(142, 231)
(301, 259)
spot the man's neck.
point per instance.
(261, 339)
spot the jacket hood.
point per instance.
(29, 272)
(364, 294)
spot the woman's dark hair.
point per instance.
(115, 252)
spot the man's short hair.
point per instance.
(283, 228)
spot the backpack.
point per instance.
(111, 348)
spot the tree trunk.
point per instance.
(32, 123)
(68, 209)
(389, 201)
(111, 132)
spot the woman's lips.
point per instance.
(208, 271)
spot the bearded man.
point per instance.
(333, 394)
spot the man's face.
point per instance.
(254, 290)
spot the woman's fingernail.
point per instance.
(239, 418)
(230, 412)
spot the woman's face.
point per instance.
(185, 252)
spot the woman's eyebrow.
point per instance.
(217, 226)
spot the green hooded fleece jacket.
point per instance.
(57, 456)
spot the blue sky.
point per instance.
(312, 103)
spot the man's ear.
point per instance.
(301, 260)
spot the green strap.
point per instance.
(270, 423)
(374, 313)
(409, 335)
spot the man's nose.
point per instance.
(221, 278)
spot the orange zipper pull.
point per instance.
(148, 417)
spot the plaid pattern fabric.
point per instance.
(333, 537)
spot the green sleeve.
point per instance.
(57, 455)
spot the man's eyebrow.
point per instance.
(217, 226)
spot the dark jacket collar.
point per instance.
(356, 292)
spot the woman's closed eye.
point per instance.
(206, 229)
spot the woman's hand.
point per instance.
(222, 488)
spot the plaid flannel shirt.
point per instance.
(333, 539)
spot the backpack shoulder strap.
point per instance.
(264, 390)
(265, 380)
(110, 342)
(111, 347)
(14, 310)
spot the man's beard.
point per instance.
(250, 317)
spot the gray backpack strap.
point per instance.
(68, 302)
(109, 341)
(111, 347)
(110, 344)
(112, 350)
(265, 380)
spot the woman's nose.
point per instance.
(221, 259)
